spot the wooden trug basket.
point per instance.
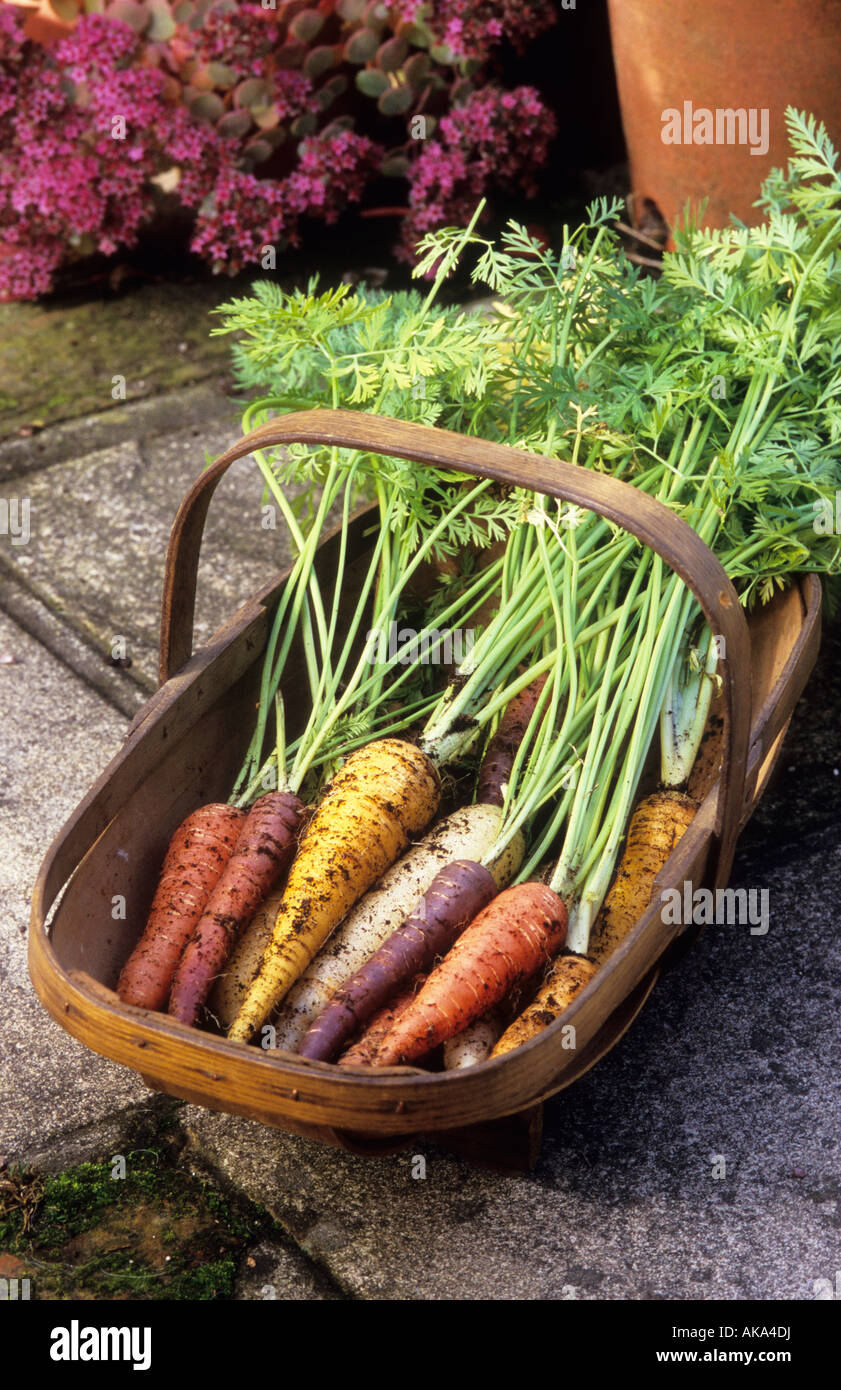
(186, 744)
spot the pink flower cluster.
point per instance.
(76, 157)
(495, 137)
(89, 125)
(86, 126)
(245, 215)
(240, 38)
(471, 28)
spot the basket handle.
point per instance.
(643, 516)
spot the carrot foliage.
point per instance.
(714, 388)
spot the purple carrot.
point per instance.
(265, 846)
(456, 895)
(502, 749)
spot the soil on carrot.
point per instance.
(155, 1233)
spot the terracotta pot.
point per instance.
(48, 20)
(688, 57)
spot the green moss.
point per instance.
(209, 1281)
(58, 358)
(73, 1201)
(157, 1233)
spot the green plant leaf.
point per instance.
(321, 59)
(307, 25)
(252, 92)
(371, 82)
(257, 150)
(161, 26)
(221, 75)
(396, 101)
(207, 106)
(361, 47)
(392, 54)
(233, 125)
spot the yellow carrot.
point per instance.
(384, 793)
(566, 977)
(232, 986)
(656, 826)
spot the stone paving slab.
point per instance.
(280, 1273)
(64, 642)
(81, 435)
(99, 527)
(59, 1102)
(59, 357)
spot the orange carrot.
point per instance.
(363, 1053)
(512, 937)
(456, 894)
(265, 846)
(195, 860)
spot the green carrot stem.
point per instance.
(306, 754)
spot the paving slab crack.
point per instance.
(121, 423)
(148, 1123)
(303, 1267)
(70, 642)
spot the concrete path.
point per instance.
(61, 360)
(702, 1158)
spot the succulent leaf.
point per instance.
(372, 82)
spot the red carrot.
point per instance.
(364, 1051)
(263, 850)
(457, 893)
(195, 860)
(514, 936)
(502, 748)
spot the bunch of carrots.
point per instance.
(333, 901)
(355, 940)
(216, 924)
